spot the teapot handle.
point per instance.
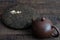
(58, 32)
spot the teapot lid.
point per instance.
(43, 18)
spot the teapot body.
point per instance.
(42, 28)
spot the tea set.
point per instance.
(19, 16)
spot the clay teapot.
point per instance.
(44, 28)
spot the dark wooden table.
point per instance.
(39, 6)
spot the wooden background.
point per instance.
(39, 6)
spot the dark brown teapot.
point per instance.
(43, 28)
